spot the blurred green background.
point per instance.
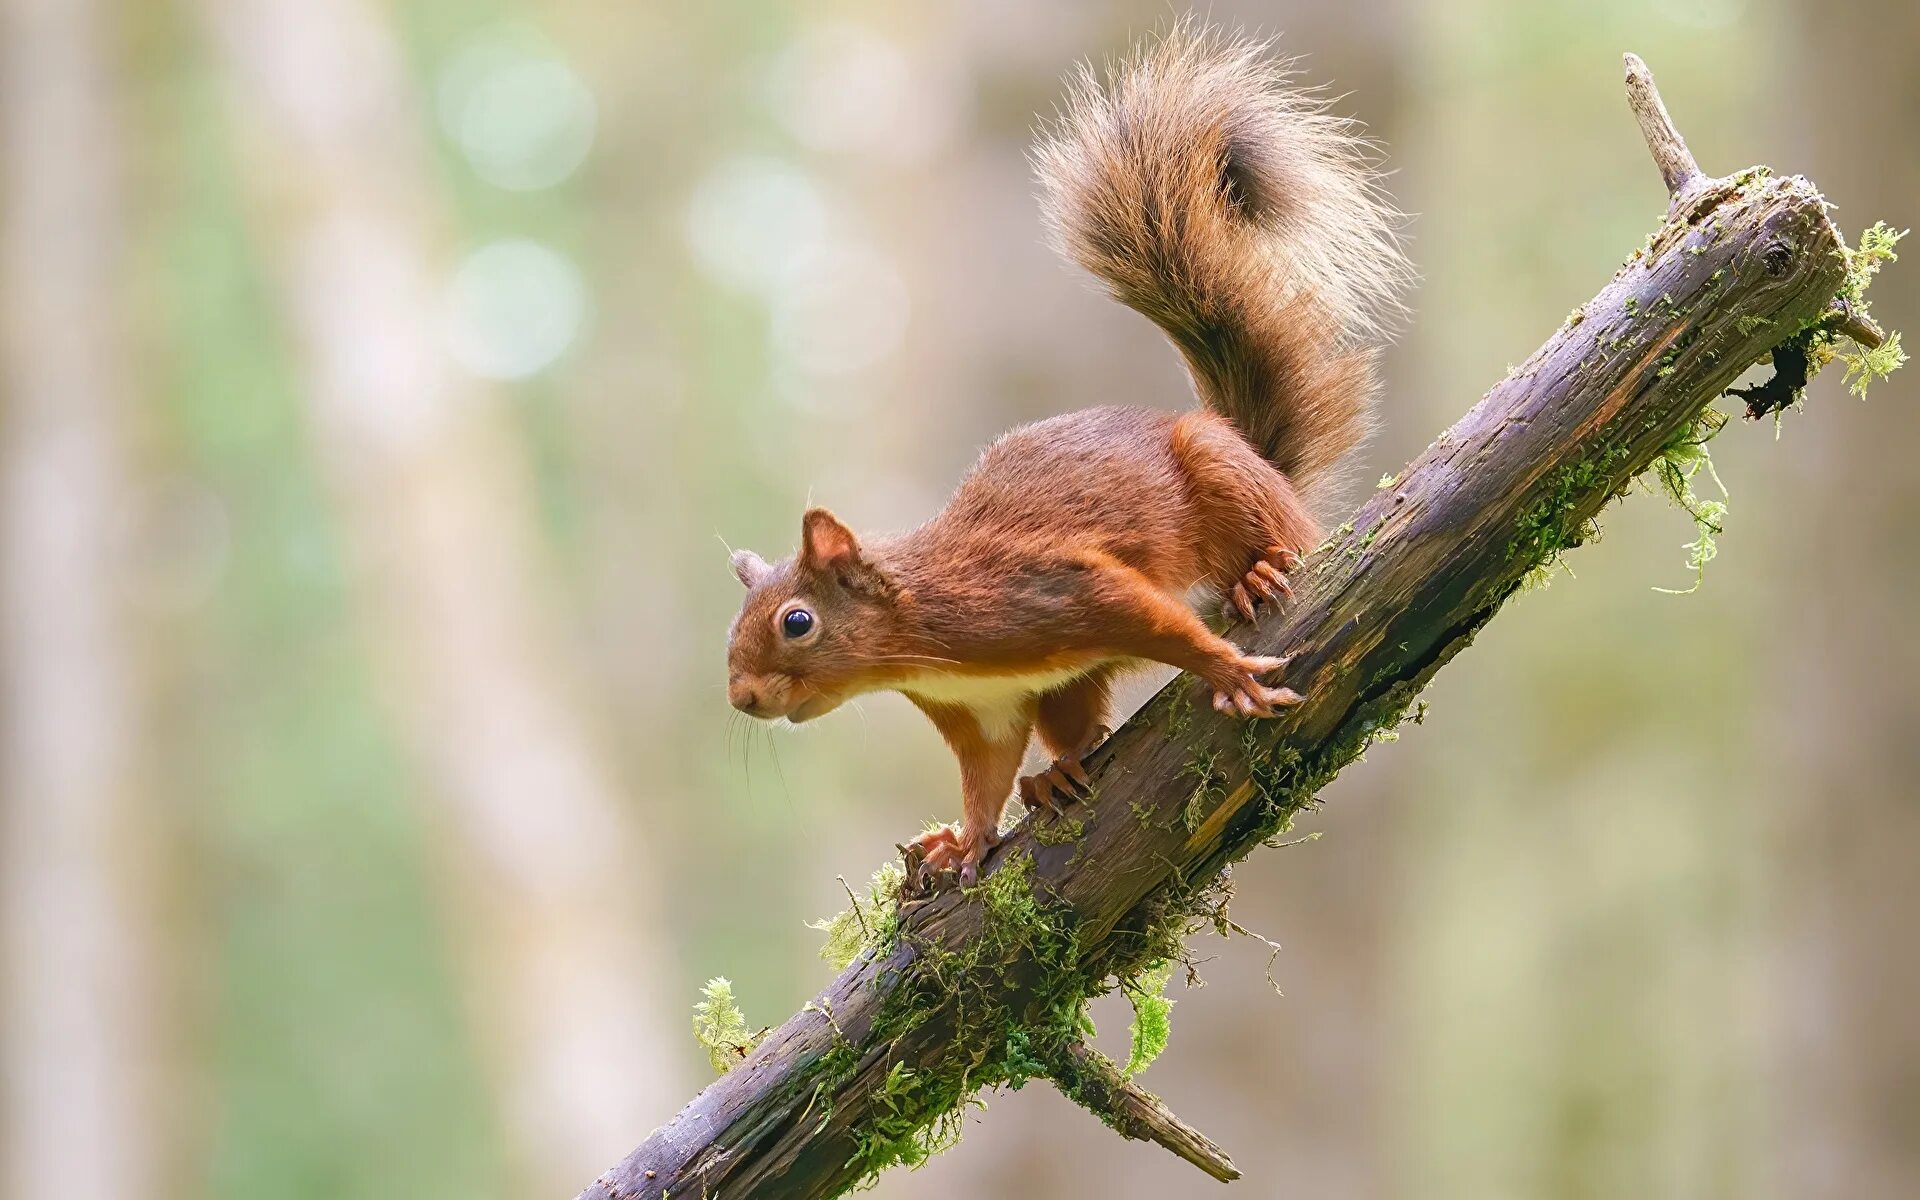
(381, 380)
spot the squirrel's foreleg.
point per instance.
(1136, 619)
(989, 754)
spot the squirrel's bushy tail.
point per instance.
(1229, 206)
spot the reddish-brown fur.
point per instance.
(1067, 552)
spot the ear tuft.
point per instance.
(749, 568)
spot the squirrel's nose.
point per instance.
(744, 696)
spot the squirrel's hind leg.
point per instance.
(1071, 721)
(1255, 527)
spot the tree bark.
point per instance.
(1179, 793)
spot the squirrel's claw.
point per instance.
(1053, 789)
(1243, 695)
(1238, 599)
(1256, 701)
(946, 849)
(1065, 781)
(1272, 575)
(1264, 583)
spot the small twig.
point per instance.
(866, 935)
(1664, 142)
(1273, 951)
(825, 1008)
(1302, 840)
(1092, 1080)
(1857, 325)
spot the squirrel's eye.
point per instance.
(797, 623)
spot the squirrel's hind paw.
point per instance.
(1264, 584)
(1061, 784)
(1051, 790)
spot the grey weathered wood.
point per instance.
(1740, 264)
(1669, 149)
(1136, 1113)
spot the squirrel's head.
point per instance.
(814, 628)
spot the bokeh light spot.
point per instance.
(523, 118)
(513, 308)
(839, 310)
(753, 218)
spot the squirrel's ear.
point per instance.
(749, 568)
(829, 547)
(826, 544)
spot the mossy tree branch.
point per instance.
(986, 987)
(1094, 1081)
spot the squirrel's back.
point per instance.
(1232, 209)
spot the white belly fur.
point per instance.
(999, 702)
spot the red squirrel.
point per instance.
(1230, 208)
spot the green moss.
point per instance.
(1866, 364)
(1058, 831)
(1870, 364)
(917, 1112)
(1289, 783)
(1748, 323)
(1152, 1016)
(865, 924)
(898, 1133)
(1179, 713)
(721, 1028)
(1683, 458)
(1876, 249)
(1366, 540)
(1206, 789)
(1345, 530)
(1539, 577)
(1015, 917)
(1015, 993)
(1550, 526)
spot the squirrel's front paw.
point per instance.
(1239, 692)
(950, 848)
